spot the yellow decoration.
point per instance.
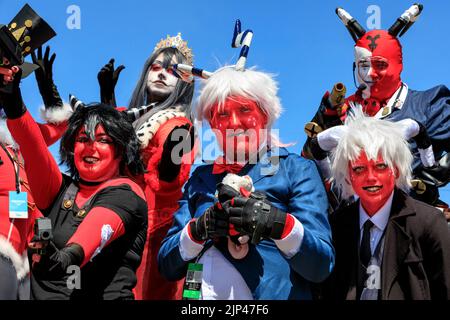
(176, 42)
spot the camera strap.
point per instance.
(18, 200)
(69, 201)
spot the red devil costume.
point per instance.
(16, 232)
(98, 216)
(159, 131)
(382, 94)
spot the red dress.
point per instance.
(162, 200)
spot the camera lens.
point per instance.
(45, 235)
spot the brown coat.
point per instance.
(416, 259)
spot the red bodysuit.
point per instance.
(162, 199)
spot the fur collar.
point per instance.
(19, 261)
(148, 129)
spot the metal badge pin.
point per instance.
(67, 204)
(81, 213)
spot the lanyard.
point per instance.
(15, 161)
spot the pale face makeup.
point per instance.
(160, 83)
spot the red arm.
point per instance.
(101, 224)
(52, 132)
(43, 173)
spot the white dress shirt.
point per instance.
(220, 279)
(379, 219)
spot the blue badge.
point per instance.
(18, 205)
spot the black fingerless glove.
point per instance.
(210, 225)
(257, 217)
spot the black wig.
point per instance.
(115, 124)
(181, 96)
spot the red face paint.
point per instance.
(239, 125)
(95, 161)
(378, 57)
(373, 181)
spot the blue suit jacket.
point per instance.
(294, 186)
(431, 108)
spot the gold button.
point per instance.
(312, 129)
(67, 204)
(81, 213)
(418, 186)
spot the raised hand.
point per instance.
(107, 79)
(44, 78)
(11, 100)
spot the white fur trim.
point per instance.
(5, 135)
(56, 115)
(148, 129)
(19, 262)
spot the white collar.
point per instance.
(380, 218)
(395, 102)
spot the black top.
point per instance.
(111, 274)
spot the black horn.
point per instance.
(353, 26)
(135, 113)
(75, 103)
(406, 20)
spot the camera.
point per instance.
(43, 229)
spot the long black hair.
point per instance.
(181, 95)
(115, 124)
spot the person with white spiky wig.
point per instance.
(284, 220)
(388, 245)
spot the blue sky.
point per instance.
(302, 42)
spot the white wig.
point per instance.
(254, 85)
(374, 137)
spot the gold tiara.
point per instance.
(176, 42)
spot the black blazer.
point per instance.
(416, 258)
